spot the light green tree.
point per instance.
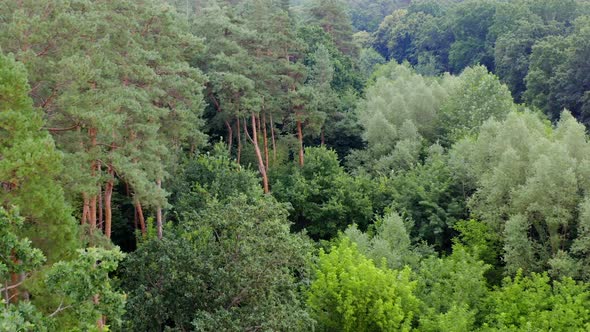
(350, 293)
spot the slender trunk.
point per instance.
(85, 209)
(239, 139)
(140, 217)
(100, 209)
(272, 134)
(230, 138)
(265, 141)
(92, 213)
(257, 125)
(322, 138)
(159, 214)
(300, 137)
(108, 195)
(254, 140)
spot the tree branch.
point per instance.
(62, 129)
(12, 286)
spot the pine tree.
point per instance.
(30, 165)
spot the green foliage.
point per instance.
(345, 75)
(211, 176)
(530, 180)
(84, 285)
(230, 264)
(399, 111)
(390, 242)
(554, 81)
(428, 195)
(332, 17)
(366, 15)
(16, 254)
(451, 290)
(22, 317)
(537, 304)
(29, 166)
(350, 293)
(325, 199)
(477, 97)
(114, 80)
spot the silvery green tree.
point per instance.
(530, 182)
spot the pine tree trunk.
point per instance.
(239, 139)
(272, 134)
(261, 166)
(140, 217)
(322, 138)
(100, 220)
(159, 214)
(108, 195)
(92, 219)
(300, 137)
(85, 209)
(265, 134)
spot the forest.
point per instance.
(304, 165)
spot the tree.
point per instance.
(451, 290)
(18, 257)
(390, 241)
(232, 266)
(325, 199)
(529, 179)
(537, 303)
(29, 167)
(470, 24)
(478, 96)
(554, 82)
(229, 263)
(399, 111)
(350, 293)
(84, 286)
(81, 286)
(118, 104)
(428, 195)
(332, 17)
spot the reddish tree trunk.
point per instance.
(100, 220)
(108, 195)
(140, 217)
(265, 141)
(261, 166)
(85, 209)
(92, 218)
(159, 215)
(300, 137)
